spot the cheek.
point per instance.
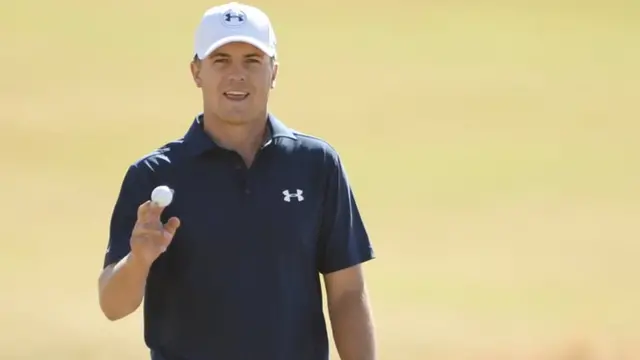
(209, 83)
(209, 80)
(263, 83)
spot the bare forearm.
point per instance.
(122, 287)
(353, 329)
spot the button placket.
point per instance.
(247, 182)
(250, 173)
(242, 173)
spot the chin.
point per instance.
(239, 115)
(237, 119)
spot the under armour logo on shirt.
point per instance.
(297, 195)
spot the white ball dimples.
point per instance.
(162, 195)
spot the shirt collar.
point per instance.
(199, 142)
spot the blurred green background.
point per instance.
(490, 145)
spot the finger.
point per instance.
(149, 211)
(172, 226)
(154, 212)
(143, 210)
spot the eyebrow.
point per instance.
(225, 55)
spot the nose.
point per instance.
(237, 74)
(237, 77)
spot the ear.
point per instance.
(195, 72)
(274, 75)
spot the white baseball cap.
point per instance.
(234, 22)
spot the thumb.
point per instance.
(172, 226)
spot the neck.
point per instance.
(245, 139)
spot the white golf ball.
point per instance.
(162, 195)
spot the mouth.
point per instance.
(236, 95)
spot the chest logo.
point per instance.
(297, 195)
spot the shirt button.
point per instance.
(247, 191)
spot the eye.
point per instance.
(220, 60)
(253, 61)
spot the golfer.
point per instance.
(231, 269)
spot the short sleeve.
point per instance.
(344, 241)
(133, 192)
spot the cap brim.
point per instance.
(269, 51)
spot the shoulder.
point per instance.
(159, 160)
(167, 155)
(318, 148)
(142, 174)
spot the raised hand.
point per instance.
(150, 237)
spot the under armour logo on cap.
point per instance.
(233, 18)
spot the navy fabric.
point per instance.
(241, 279)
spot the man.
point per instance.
(230, 269)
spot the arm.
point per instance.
(122, 281)
(350, 314)
(344, 247)
(121, 287)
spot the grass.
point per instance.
(490, 144)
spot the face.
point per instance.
(235, 80)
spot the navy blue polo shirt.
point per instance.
(240, 281)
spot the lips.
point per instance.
(236, 95)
